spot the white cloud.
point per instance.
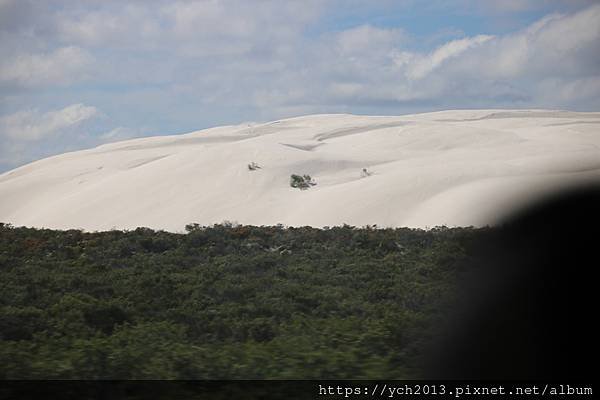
(62, 66)
(31, 125)
(128, 25)
(564, 47)
(555, 62)
(578, 91)
(425, 65)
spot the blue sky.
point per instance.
(75, 74)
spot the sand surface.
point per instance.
(454, 168)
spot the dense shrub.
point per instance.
(224, 301)
(301, 182)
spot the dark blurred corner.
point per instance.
(530, 309)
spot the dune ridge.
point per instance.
(454, 168)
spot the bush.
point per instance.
(301, 182)
(253, 166)
(227, 301)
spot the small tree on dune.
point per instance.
(301, 182)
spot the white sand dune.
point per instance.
(463, 168)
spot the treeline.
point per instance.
(225, 302)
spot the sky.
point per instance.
(76, 74)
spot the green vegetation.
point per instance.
(224, 301)
(301, 182)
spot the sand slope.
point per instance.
(443, 168)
